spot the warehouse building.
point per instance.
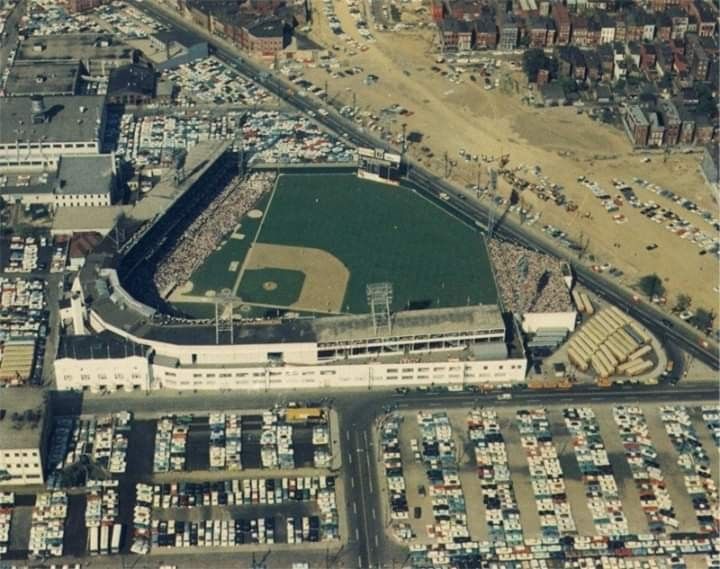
(23, 433)
(99, 53)
(37, 129)
(71, 181)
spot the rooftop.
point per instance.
(48, 78)
(86, 174)
(99, 346)
(67, 119)
(23, 434)
(434, 321)
(78, 47)
(270, 28)
(132, 79)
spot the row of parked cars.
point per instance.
(47, 526)
(240, 492)
(695, 465)
(711, 417)
(170, 443)
(101, 517)
(546, 475)
(601, 491)
(441, 468)
(7, 503)
(102, 439)
(644, 464)
(225, 441)
(392, 463)
(502, 513)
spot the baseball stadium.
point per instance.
(314, 243)
(274, 279)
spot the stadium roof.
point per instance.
(67, 119)
(428, 322)
(100, 346)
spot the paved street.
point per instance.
(367, 543)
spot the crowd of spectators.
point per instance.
(529, 281)
(207, 230)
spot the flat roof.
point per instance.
(431, 321)
(19, 400)
(84, 219)
(85, 174)
(27, 183)
(67, 119)
(79, 47)
(47, 78)
(98, 346)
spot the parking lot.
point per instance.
(508, 502)
(191, 502)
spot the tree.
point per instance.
(703, 319)
(682, 302)
(652, 285)
(533, 61)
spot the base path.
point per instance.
(326, 277)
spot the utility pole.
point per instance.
(404, 139)
(477, 186)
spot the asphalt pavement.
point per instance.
(368, 545)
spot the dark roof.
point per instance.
(270, 28)
(135, 79)
(104, 345)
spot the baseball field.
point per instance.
(324, 237)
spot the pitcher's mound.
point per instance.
(269, 285)
(254, 214)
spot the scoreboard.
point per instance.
(380, 166)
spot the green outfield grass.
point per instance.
(289, 284)
(382, 233)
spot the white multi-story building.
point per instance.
(23, 430)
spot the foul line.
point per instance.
(257, 235)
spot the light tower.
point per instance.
(379, 297)
(224, 315)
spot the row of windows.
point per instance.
(50, 145)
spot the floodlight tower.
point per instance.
(224, 315)
(379, 297)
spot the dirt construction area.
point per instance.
(326, 278)
(454, 113)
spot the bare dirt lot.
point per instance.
(564, 144)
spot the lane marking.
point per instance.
(376, 540)
(357, 534)
(373, 514)
(355, 508)
(352, 482)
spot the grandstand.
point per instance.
(533, 286)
